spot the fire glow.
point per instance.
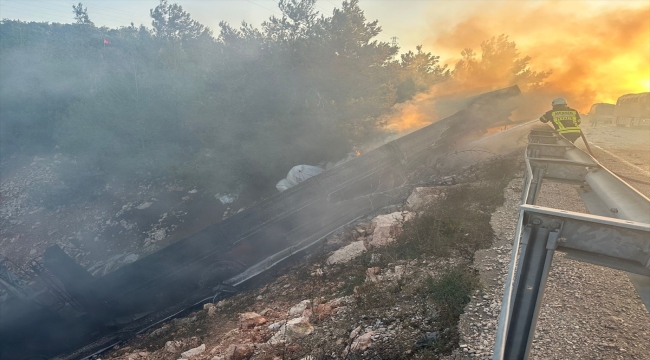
(596, 52)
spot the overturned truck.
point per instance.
(90, 313)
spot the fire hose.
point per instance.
(584, 139)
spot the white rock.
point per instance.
(387, 227)
(354, 333)
(399, 271)
(347, 253)
(294, 329)
(194, 352)
(212, 308)
(361, 343)
(172, 346)
(299, 308)
(423, 196)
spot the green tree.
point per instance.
(418, 72)
(242, 108)
(81, 15)
(500, 65)
(297, 21)
(171, 22)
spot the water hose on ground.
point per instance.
(584, 139)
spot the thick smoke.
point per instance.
(594, 51)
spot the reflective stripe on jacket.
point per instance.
(565, 120)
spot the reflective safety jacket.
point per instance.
(564, 119)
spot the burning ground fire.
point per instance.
(590, 51)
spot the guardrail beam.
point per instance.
(616, 234)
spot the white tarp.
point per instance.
(296, 175)
(283, 185)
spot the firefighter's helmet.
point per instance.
(559, 101)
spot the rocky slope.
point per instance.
(390, 286)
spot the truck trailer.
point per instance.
(602, 113)
(633, 110)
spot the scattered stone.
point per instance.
(361, 343)
(354, 333)
(387, 227)
(193, 352)
(372, 274)
(294, 329)
(173, 346)
(399, 271)
(422, 197)
(239, 352)
(298, 309)
(347, 253)
(249, 320)
(212, 309)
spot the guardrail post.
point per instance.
(538, 246)
(536, 185)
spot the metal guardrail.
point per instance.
(615, 234)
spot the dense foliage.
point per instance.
(243, 106)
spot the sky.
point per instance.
(398, 18)
(596, 49)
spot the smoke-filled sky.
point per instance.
(597, 50)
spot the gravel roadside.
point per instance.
(588, 312)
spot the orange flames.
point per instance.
(597, 51)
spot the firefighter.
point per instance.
(565, 119)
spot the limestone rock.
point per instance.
(347, 253)
(249, 320)
(387, 227)
(239, 352)
(359, 344)
(372, 274)
(193, 352)
(294, 329)
(421, 197)
(354, 333)
(299, 308)
(172, 346)
(212, 309)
